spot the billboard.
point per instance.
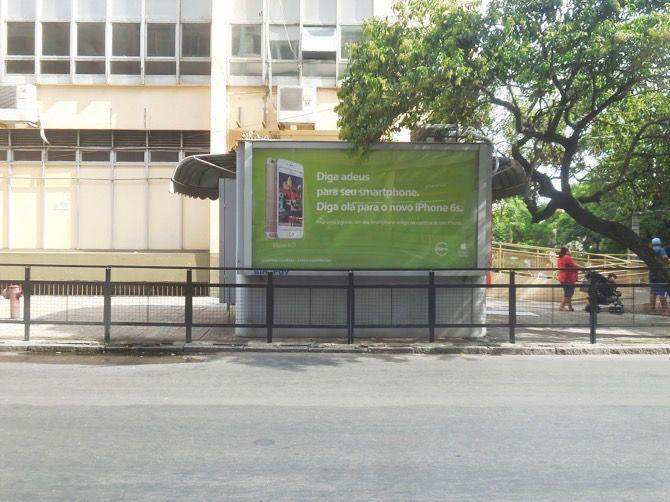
(320, 206)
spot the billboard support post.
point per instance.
(351, 299)
(431, 306)
(269, 307)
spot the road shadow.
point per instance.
(303, 362)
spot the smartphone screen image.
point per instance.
(290, 192)
(271, 199)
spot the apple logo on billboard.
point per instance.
(441, 249)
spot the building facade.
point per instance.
(99, 100)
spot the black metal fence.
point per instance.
(348, 305)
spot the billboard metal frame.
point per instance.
(245, 196)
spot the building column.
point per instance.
(219, 113)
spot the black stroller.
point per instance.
(605, 292)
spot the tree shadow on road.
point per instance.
(303, 362)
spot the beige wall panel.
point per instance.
(142, 258)
(196, 223)
(124, 107)
(60, 207)
(95, 204)
(247, 104)
(4, 197)
(246, 108)
(164, 211)
(26, 215)
(130, 208)
(326, 118)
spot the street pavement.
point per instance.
(334, 427)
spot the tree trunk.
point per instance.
(618, 232)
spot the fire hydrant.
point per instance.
(12, 293)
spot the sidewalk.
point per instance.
(131, 340)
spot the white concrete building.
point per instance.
(99, 99)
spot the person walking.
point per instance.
(656, 286)
(567, 276)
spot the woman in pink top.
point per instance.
(567, 278)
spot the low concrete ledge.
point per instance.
(427, 349)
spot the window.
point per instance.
(91, 39)
(91, 10)
(20, 67)
(61, 155)
(55, 39)
(90, 67)
(20, 48)
(196, 10)
(195, 40)
(164, 156)
(246, 68)
(27, 155)
(284, 42)
(319, 12)
(26, 138)
(21, 9)
(355, 11)
(91, 44)
(127, 10)
(126, 39)
(56, 10)
(3, 155)
(51, 67)
(284, 11)
(246, 41)
(160, 44)
(160, 40)
(318, 69)
(195, 68)
(319, 43)
(20, 39)
(250, 11)
(160, 68)
(349, 35)
(95, 156)
(130, 156)
(160, 10)
(125, 67)
(285, 69)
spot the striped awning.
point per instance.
(198, 175)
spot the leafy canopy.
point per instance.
(566, 87)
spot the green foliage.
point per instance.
(575, 90)
(512, 222)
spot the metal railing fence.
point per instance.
(349, 303)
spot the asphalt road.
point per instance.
(335, 427)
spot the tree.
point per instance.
(544, 78)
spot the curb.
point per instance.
(200, 348)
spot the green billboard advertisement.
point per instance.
(395, 208)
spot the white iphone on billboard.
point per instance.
(290, 192)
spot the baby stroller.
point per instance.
(605, 293)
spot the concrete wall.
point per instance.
(124, 107)
(55, 206)
(129, 207)
(185, 259)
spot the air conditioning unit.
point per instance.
(296, 105)
(18, 103)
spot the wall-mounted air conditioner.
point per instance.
(296, 105)
(18, 103)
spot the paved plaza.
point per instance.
(634, 326)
